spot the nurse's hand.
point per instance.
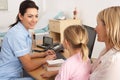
(50, 57)
(49, 52)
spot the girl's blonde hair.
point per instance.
(77, 36)
(111, 20)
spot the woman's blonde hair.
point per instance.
(77, 36)
(111, 20)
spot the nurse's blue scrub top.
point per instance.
(17, 42)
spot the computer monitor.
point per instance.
(47, 41)
(91, 36)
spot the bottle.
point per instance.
(75, 14)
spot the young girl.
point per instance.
(77, 67)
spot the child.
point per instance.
(77, 67)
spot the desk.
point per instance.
(36, 73)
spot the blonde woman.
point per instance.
(77, 67)
(107, 66)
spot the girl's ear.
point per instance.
(20, 16)
(66, 43)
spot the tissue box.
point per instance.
(56, 62)
(54, 65)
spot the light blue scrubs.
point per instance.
(17, 42)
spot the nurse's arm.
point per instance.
(42, 54)
(29, 64)
(38, 55)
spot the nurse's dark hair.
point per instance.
(23, 8)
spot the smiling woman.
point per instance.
(30, 18)
(17, 43)
(27, 15)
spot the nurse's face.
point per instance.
(30, 18)
(101, 31)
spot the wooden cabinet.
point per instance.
(56, 27)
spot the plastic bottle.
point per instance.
(75, 14)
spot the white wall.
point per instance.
(88, 10)
(8, 16)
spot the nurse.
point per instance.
(15, 51)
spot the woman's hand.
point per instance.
(49, 52)
(50, 57)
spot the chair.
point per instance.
(91, 36)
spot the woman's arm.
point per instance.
(29, 64)
(38, 55)
(42, 54)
